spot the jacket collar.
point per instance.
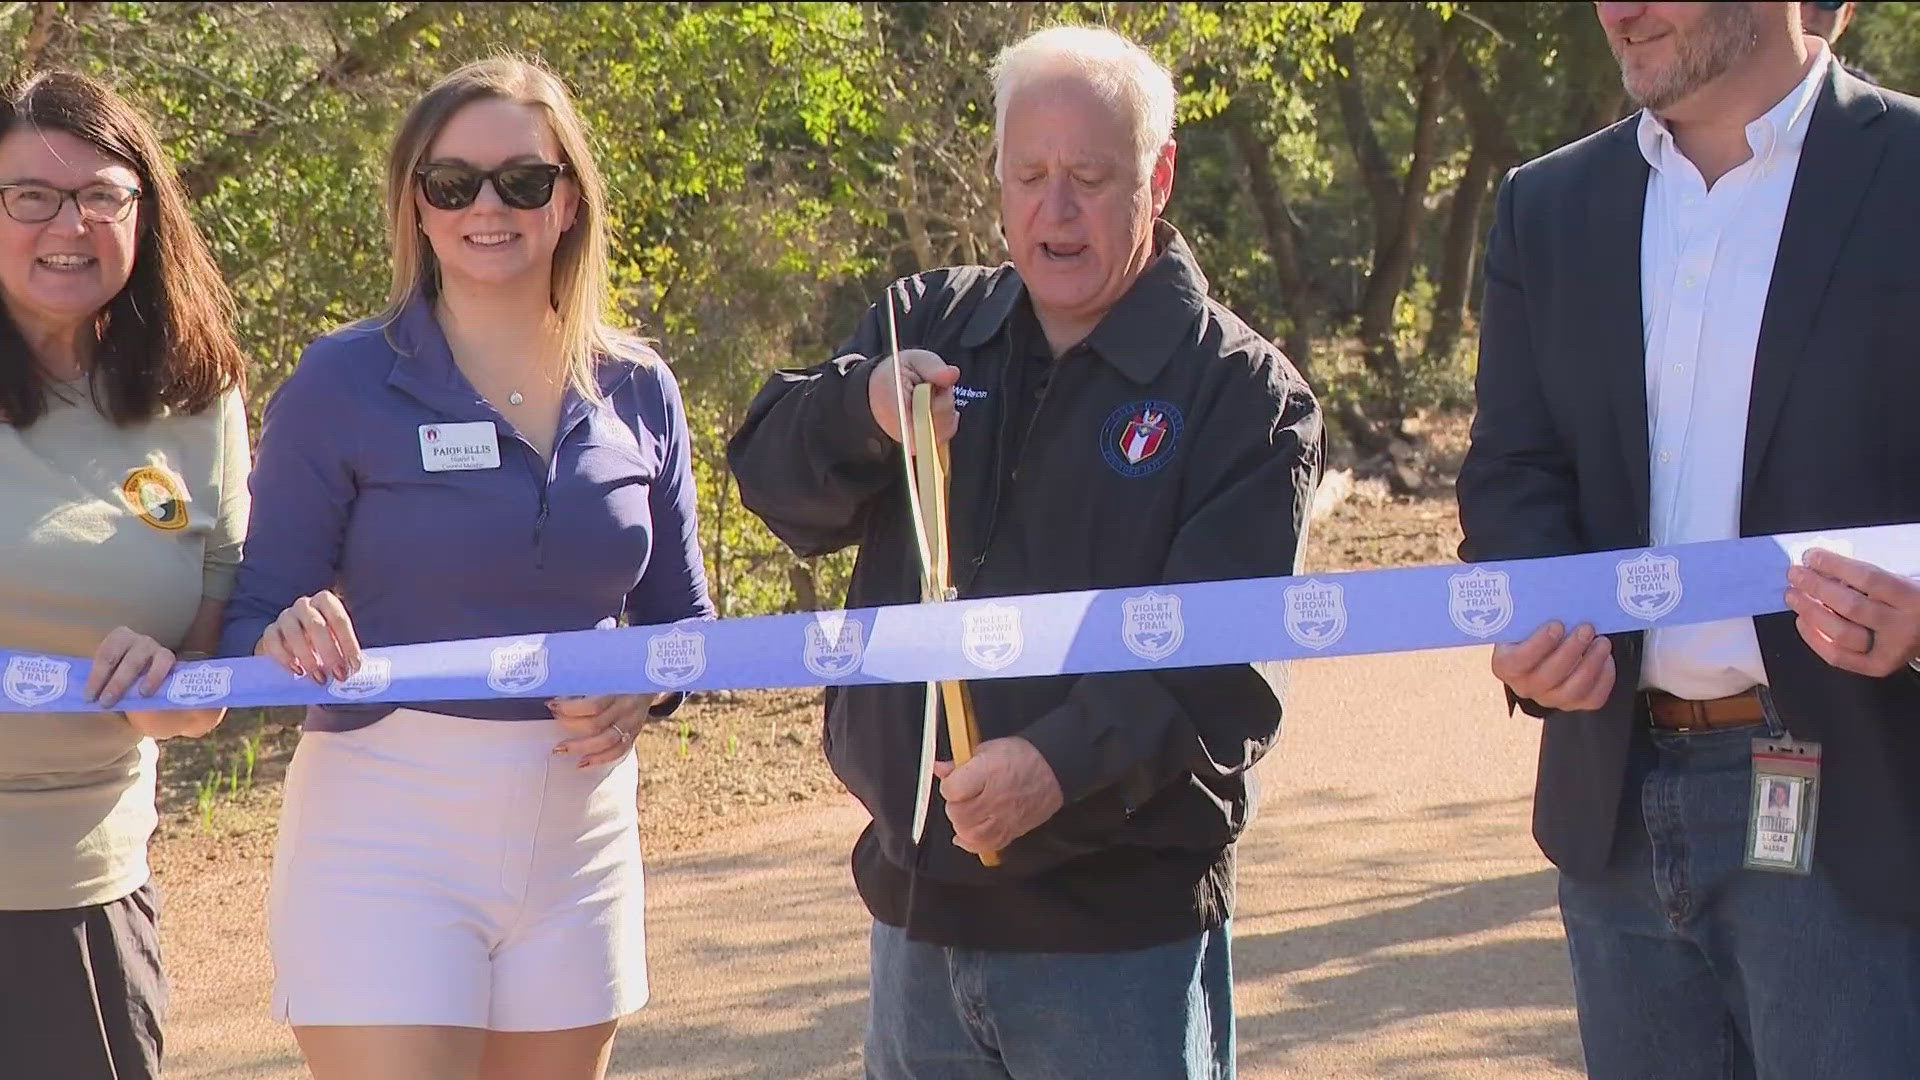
(1144, 329)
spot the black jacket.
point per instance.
(1558, 461)
(1173, 445)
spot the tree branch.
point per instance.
(366, 56)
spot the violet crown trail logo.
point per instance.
(1649, 585)
(374, 676)
(35, 680)
(1316, 615)
(676, 657)
(990, 636)
(517, 667)
(201, 684)
(1150, 625)
(1480, 601)
(835, 645)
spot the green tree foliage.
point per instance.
(772, 165)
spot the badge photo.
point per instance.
(156, 497)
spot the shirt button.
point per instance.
(1690, 200)
(1679, 369)
(1665, 457)
(1690, 281)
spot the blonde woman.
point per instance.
(457, 890)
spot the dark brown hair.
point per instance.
(166, 340)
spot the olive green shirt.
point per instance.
(101, 527)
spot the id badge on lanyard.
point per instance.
(1785, 805)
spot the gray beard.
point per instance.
(1726, 36)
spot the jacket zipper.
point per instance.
(998, 490)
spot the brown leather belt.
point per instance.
(1671, 713)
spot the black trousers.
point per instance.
(81, 993)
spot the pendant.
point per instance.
(515, 398)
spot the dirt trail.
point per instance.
(1395, 919)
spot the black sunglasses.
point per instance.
(448, 186)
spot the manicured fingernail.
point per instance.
(298, 670)
(561, 749)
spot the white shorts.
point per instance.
(440, 870)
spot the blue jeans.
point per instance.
(1686, 966)
(1162, 1013)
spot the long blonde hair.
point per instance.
(580, 261)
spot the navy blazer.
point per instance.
(1559, 459)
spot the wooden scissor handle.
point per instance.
(930, 463)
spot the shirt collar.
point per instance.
(416, 336)
(1781, 130)
(1144, 328)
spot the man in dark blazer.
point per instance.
(1700, 323)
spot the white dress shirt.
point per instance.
(1706, 261)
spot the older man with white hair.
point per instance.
(1110, 427)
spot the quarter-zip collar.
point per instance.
(425, 370)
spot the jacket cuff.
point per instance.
(1064, 741)
(1526, 705)
(858, 436)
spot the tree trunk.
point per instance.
(1375, 170)
(48, 32)
(1399, 210)
(1277, 219)
(38, 35)
(806, 590)
(1456, 254)
(913, 216)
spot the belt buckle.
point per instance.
(1695, 713)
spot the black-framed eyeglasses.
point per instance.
(36, 204)
(526, 186)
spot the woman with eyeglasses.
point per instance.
(123, 463)
(457, 889)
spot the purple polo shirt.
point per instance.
(342, 500)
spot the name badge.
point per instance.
(459, 447)
(1785, 805)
